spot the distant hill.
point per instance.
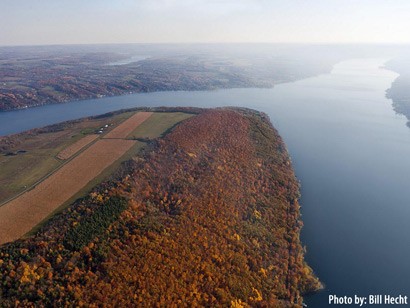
(35, 76)
(399, 92)
(207, 216)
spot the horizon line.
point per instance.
(208, 43)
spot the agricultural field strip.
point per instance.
(76, 147)
(20, 215)
(128, 126)
(24, 212)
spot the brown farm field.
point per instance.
(20, 215)
(76, 147)
(90, 159)
(125, 128)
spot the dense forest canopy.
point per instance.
(207, 216)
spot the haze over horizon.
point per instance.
(45, 22)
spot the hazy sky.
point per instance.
(146, 21)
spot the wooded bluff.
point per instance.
(208, 215)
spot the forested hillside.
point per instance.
(207, 216)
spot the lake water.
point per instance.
(132, 59)
(350, 151)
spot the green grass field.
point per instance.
(158, 124)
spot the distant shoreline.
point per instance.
(399, 91)
(49, 75)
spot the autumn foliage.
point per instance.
(208, 216)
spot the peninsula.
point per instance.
(206, 213)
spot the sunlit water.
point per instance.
(350, 151)
(132, 59)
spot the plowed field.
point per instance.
(128, 126)
(77, 146)
(20, 215)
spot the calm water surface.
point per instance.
(350, 151)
